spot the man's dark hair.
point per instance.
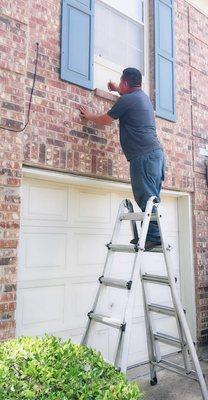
(132, 76)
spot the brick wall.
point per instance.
(57, 138)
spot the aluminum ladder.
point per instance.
(183, 342)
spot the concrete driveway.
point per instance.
(170, 386)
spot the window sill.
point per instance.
(105, 95)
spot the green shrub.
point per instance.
(49, 369)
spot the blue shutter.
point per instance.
(77, 42)
(165, 59)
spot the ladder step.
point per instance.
(123, 247)
(113, 282)
(161, 309)
(104, 319)
(163, 280)
(171, 340)
(139, 216)
(156, 249)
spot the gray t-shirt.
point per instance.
(136, 124)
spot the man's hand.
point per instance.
(100, 119)
(113, 87)
(84, 113)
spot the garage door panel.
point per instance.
(91, 249)
(44, 253)
(42, 308)
(45, 201)
(89, 252)
(81, 299)
(90, 207)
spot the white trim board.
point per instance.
(184, 222)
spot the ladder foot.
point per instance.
(153, 381)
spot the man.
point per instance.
(138, 140)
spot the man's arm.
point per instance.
(99, 119)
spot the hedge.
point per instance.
(49, 369)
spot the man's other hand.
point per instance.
(113, 87)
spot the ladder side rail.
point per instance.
(153, 352)
(150, 322)
(106, 268)
(185, 354)
(132, 223)
(180, 311)
(184, 347)
(118, 221)
(152, 346)
(122, 354)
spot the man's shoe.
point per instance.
(151, 245)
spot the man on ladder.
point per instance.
(139, 142)
(143, 150)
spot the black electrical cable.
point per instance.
(31, 95)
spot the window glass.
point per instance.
(118, 38)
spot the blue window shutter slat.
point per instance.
(165, 59)
(77, 42)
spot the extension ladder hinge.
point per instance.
(113, 282)
(128, 285)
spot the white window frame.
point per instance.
(118, 68)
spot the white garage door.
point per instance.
(63, 232)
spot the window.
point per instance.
(118, 39)
(121, 40)
(117, 27)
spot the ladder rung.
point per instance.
(136, 217)
(171, 340)
(104, 319)
(163, 280)
(175, 368)
(126, 248)
(113, 282)
(161, 309)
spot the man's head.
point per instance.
(131, 78)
